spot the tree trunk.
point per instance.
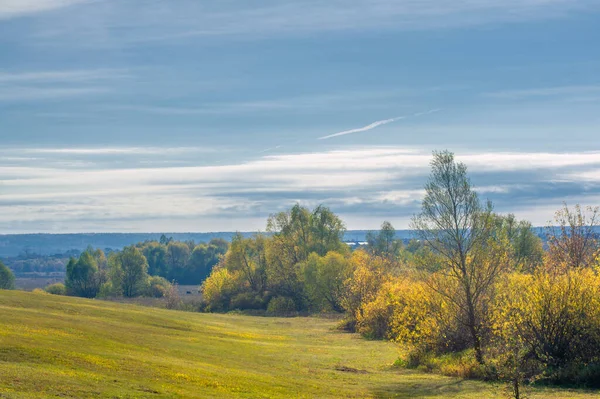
(473, 328)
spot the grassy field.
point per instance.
(69, 347)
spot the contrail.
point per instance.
(431, 111)
(376, 124)
(363, 129)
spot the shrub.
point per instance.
(109, 290)
(281, 306)
(247, 300)
(172, 298)
(56, 289)
(157, 287)
(457, 364)
(374, 318)
(549, 323)
(411, 313)
(219, 288)
(368, 275)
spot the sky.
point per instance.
(195, 115)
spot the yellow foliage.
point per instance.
(374, 317)
(554, 317)
(217, 287)
(417, 315)
(405, 311)
(366, 280)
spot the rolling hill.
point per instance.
(65, 347)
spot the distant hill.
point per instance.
(49, 244)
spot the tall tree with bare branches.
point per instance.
(460, 230)
(573, 240)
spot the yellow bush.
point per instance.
(405, 311)
(217, 288)
(417, 312)
(552, 319)
(375, 316)
(369, 273)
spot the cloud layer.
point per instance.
(68, 190)
(104, 21)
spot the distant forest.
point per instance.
(24, 245)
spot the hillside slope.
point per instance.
(69, 347)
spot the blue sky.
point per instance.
(189, 115)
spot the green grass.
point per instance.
(69, 347)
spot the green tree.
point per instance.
(202, 260)
(83, 278)
(248, 255)
(327, 232)
(101, 259)
(164, 240)
(156, 255)
(292, 231)
(324, 279)
(132, 270)
(384, 242)
(219, 243)
(301, 232)
(282, 270)
(7, 278)
(178, 254)
(458, 228)
(526, 248)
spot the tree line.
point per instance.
(144, 269)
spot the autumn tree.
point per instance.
(247, 256)
(458, 227)
(368, 274)
(573, 238)
(296, 234)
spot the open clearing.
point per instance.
(54, 346)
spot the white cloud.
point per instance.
(115, 150)
(56, 84)
(511, 161)
(14, 94)
(14, 8)
(106, 22)
(359, 178)
(62, 75)
(546, 92)
(587, 176)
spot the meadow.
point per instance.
(52, 346)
